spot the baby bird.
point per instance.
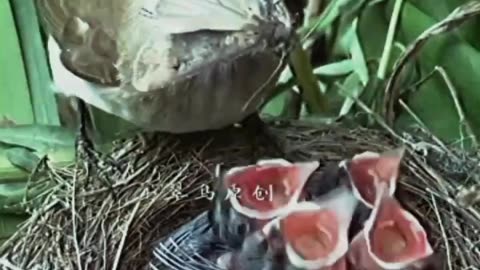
(392, 239)
(368, 168)
(248, 197)
(359, 174)
(316, 232)
(193, 246)
(310, 236)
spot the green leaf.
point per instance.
(435, 9)
(342, 67)
(23, 158)
(469, 31)
(425, 103)
(17, 198)
(43, 97)
(293, 106)
(9, 224)
(351, 88)
(41, 138)
(275, 106)
(332, 12)
(461, 62)
(373, 27)
(413, 23)
(10, 174)
(311, 93)
(15, 101)
(11, 194)
(438, 10)
(352, 42)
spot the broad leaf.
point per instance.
(331, 13)
(15, 101)
(11, 195)
(352, 43)
(342, 67)
(43, 97)
(461, 62)
(351, 88)
(22, 158)
(41, 138)
(9, 224)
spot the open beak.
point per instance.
(359, 255)
(265, 190)
(368, 168)
(316, 233)
(392, 238)
(341, 264)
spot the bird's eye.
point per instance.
(242, 229)
(264, 244)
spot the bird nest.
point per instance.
(161, 181)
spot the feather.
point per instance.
(167, 65)
(193, 15)
(191, 247)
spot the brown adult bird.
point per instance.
(168, 65)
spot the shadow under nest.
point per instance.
(80, 224)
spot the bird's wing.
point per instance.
(113, 42)
(189, 247)
(85, 32)
(193, 15)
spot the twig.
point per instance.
(425, 129)
(125, 234)
(74, 221)
(457, 245)
(444, 234)
(8, 264)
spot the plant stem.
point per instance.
(316, 102)
(382, 69)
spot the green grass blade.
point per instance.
(43, 99)
(15, 102)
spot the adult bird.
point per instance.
(167, 65)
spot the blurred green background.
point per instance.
(349, 56)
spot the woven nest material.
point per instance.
(81, 224)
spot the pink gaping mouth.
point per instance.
(395, 235)
(267, 188)
(313, 235)
(369, 168)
